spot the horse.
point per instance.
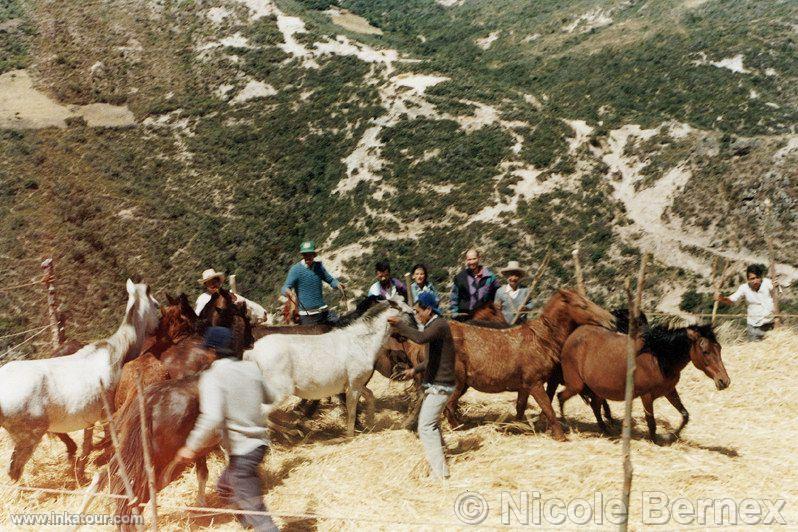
(319, 366)
(65, 394)
(520, 358)
(488, 312)
(594, 361)
(175, 353)
(171, 409)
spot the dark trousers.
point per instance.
(239, 486)
(322, 318)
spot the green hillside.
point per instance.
(515, 126)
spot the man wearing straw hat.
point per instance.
(231, 394)
(439, 379)
(212, 281)
(305, 281)
(511, 296)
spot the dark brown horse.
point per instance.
(520, 358)
(594, 363)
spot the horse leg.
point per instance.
(71, 446)
(555, 379)
(520, 404)
(85, 451)
(202, 480)
(452, 415)
(368, 395)
(352, 395)
(676, 401)
(563, 396)
(648, 407)
(24, 445)
(595, 405)
(538, 392)
(608, 413)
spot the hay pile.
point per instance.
(740, 443)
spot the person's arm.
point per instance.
(290, 281)
(497, 300)
(732, 299)
(420, 337)
(328, 278)
(454, 298)
(211, 417)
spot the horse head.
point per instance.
(142, 308)
(705, 354)
(178, 319)
(576, 309)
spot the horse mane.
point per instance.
(360, 310)
(374, 310)
(671, 345)
(622, 320)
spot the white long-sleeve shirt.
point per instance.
(760, 303)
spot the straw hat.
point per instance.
(209, 274)
(513, 267)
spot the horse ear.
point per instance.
(169, 298)
(565, 294)
(131, 287)
(692, 334)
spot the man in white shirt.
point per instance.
(758, 294)
(212, 281)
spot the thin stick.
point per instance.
(532, 285)
(145, 438)
(773, 279)
(409, 291)
(118, 455)
(631, 352)
(580, 281)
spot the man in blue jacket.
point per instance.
(305, 281)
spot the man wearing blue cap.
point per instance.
(305, 281)
(438, 370)
(231, 394)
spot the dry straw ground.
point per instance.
(740, 444)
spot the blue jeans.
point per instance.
(239, 485)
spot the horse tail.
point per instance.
(131, 450)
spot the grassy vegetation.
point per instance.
(16, 34)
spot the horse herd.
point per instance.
(573, 342)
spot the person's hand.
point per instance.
(408, 374)
(341, 287)
(717, 297)
(186, 455)
(394, 320)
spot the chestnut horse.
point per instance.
(520, 358)
(594, 361)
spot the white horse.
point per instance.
(319, 366)
(255, 312)
(64, 394)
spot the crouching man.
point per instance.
(231, 394)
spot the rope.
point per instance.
(215, 511)
(9, 288)
(23, 332)
(22, 343)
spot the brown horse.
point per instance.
(520, 358)
(594, 362)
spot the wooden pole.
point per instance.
(56, 320)
(409, 291)
(532, 285)
(768, 231)
(580, 281)
(631, 353)
(233, 284)
(132, 500)
(145, 438)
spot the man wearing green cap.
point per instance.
(304, 279)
